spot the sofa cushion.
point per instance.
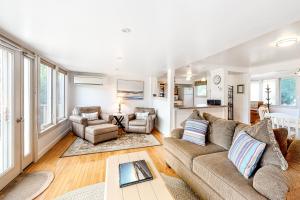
(138, 122)
(90, 116)
(185, 151)
(281, 135)
(221, 175)
(195, 131)
(245, 152)
(90, 109)
(220, 131)
(263, 132)
(271, 182)
(151, 111)
(96, 122)
(195, 115)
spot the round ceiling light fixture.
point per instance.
(126, 30)
(286, 42)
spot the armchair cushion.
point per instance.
(78, 119)
(96, 122)
(90, 109)
(138, 122)
(90, 116)
(149, 110)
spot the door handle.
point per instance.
(19, 120)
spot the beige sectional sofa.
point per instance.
(211, 174)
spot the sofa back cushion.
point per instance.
(141, 115)
(151, 111)
(220, 131)
(195, 131)
(195, 115)
(245, 153)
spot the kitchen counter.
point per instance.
(201, 106)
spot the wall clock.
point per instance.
(217, 79)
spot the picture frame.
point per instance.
(130, 89)
(240, 89)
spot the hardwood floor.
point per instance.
(78, 171)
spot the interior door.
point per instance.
(10, 164)
(26, 111)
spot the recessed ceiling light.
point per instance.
(286, 42)
(126, 30)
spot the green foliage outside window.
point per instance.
(288, 91)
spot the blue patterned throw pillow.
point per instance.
(245, 153)
(195, 131)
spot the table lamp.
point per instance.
(119, 103)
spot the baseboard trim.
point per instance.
(54, 142)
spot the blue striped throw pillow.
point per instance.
(245, 153)
(195, 131)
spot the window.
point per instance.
(201, 88)
(255, 90)
(45, 95)
(60, 109)
(288, 92)
(273, 85)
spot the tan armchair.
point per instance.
(79, 123)
(138, 125)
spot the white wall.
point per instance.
(241, 107)
(106, 95)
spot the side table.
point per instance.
(119, 117)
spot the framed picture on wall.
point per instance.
(240, 89)
(131, 90)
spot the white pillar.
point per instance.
(170, 99)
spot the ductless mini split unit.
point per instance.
(88, 80)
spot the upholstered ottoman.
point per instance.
(101, 132)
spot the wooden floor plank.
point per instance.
(78, 171)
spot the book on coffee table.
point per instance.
(134, 172)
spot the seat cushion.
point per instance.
(100, 129)
(220, 131)
(137, 122)
(186, 151)
(96, 122)
(220, 174)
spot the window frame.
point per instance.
(52, 67)
(58, 118)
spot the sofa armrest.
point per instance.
(271, 182)
(177, 133)
(107, 117)
(78, 119)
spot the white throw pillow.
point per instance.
(141, 115)
(90, 116)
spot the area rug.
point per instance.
(27, 186)
(126, 141)
(179, 190)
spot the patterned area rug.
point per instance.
(27, 186)
(126, 141)
(179, 190)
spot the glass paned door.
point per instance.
(9, 135)
(26, 119)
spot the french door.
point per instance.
(26, 111)
(10, 140)
(16, 132)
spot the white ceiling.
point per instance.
(86, 35)
(260, 51)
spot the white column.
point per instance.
(170, 99)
